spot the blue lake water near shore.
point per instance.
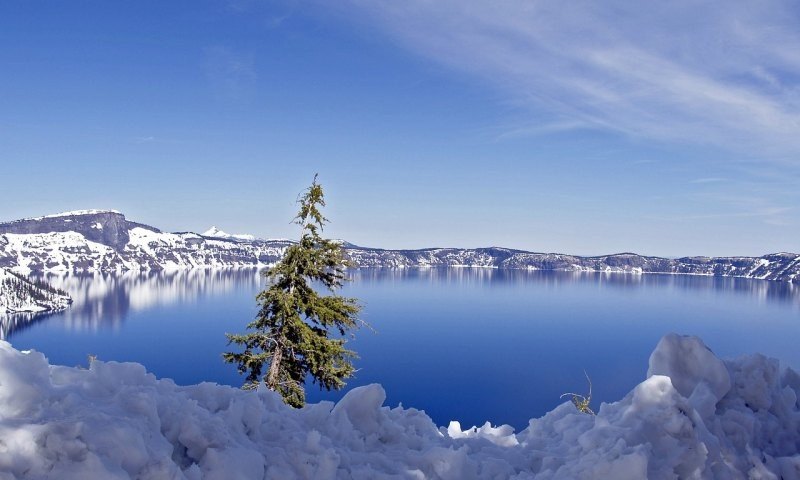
(462, 344)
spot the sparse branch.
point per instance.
(582, 402)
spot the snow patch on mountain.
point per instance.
(62, 252)
(732, 419)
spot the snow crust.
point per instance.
(740, 420)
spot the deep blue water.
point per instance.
(462, 344)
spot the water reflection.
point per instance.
(16, 322)
(103, 300)
(762, 291)
(505, 343)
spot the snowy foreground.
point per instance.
(695, 417)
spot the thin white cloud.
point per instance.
(541, 129)
(771, 216)
(709, 180)
(745, 201)
(719, 73)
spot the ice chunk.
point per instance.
(689, 362)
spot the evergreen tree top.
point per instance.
(309, 217)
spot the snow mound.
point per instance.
(116, 421)
(694, 370)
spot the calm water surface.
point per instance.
(462, 344)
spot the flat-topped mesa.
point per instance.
(107, 227)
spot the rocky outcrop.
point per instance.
(107, 227)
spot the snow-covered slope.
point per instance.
(104, 240)
(778, 266)
(18, 294)
(694, 417)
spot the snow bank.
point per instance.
(695, 417)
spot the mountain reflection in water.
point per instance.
(488, 344)
(103, 300)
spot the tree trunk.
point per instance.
(273, 377)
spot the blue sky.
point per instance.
(664, 128)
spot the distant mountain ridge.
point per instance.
(104, 240)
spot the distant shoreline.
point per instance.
(106, 241)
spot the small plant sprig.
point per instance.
(582, 402)
(90, 359)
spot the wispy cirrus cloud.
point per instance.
(745, 202)
(717, 73)
(708, 180)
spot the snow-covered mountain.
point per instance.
(18, 294)
(778, 266)
(217, 233)
(104, 240)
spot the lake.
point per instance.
(462, 344)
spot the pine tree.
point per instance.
(295, 331)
